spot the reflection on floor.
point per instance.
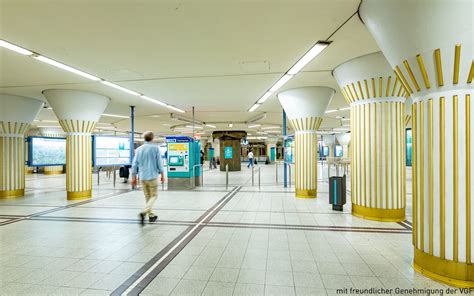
(215, 240)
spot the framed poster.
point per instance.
(409, 144)
(45, 151)
(111, 151)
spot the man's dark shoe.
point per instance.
(142, 218)
(153, 218)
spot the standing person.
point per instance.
(250, 158)
(148, 165)
(202, 157)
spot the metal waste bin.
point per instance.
(337, 192)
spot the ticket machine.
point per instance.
(182, 158)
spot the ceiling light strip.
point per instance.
(23, 51)
(297, 67)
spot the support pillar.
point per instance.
(16, 115)
(429, 44)
(377, 100)
(305, 107)
(78, 113)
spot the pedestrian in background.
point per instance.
(147, 164)
(250, 158)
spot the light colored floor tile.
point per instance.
(229, 275)
(279, 290)
(251, 276)
(198, 273)
(218, 288)
(305, 279)
(249, 290)
(189, 287)
(279, 278)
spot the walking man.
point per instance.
(250, 157)
(148, 165)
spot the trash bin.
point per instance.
(337, 192)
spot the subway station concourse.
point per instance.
(232, 147)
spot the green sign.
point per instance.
(228, 152)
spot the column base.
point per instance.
(304, 193)
(75, 195)
(458, 274)
(7, 194)
(381, 215)
(55, 172)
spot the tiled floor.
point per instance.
(215, 240)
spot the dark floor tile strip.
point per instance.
(405, 224)
(402, 231)
(229, 225)
(66, 207)
(189, 233)
(308, 226)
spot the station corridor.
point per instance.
(236, 147)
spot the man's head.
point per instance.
(148, 136)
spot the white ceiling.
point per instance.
(219, 56)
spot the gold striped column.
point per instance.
(78, 158)
(16, 114)
(377, 100)
(305, 107)
(78, 113)
(435, 65)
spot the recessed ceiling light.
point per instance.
(211, 125)
(331, 111)
(270, 127)
(254, 125)
(114, 115)
(195, 127)
(116, 86)
(66, 67)
(254, 107)
(153, 100)
(231, 124)
(284, 79)
(175, 109)
(15, 48)
(264, 97)
(308, 57)
(345, 108)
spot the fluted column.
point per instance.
(16, 115)
(377, 100)
(78, 113)
(429, 45)
(53, 133)
(305, 107)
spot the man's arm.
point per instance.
(135, 165)
(160, 166)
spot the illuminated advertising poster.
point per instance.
(409, 147)
(111, 151)
(289, 149)
(47, 151)
(178, 157)
(338, 151)
(228, 152)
